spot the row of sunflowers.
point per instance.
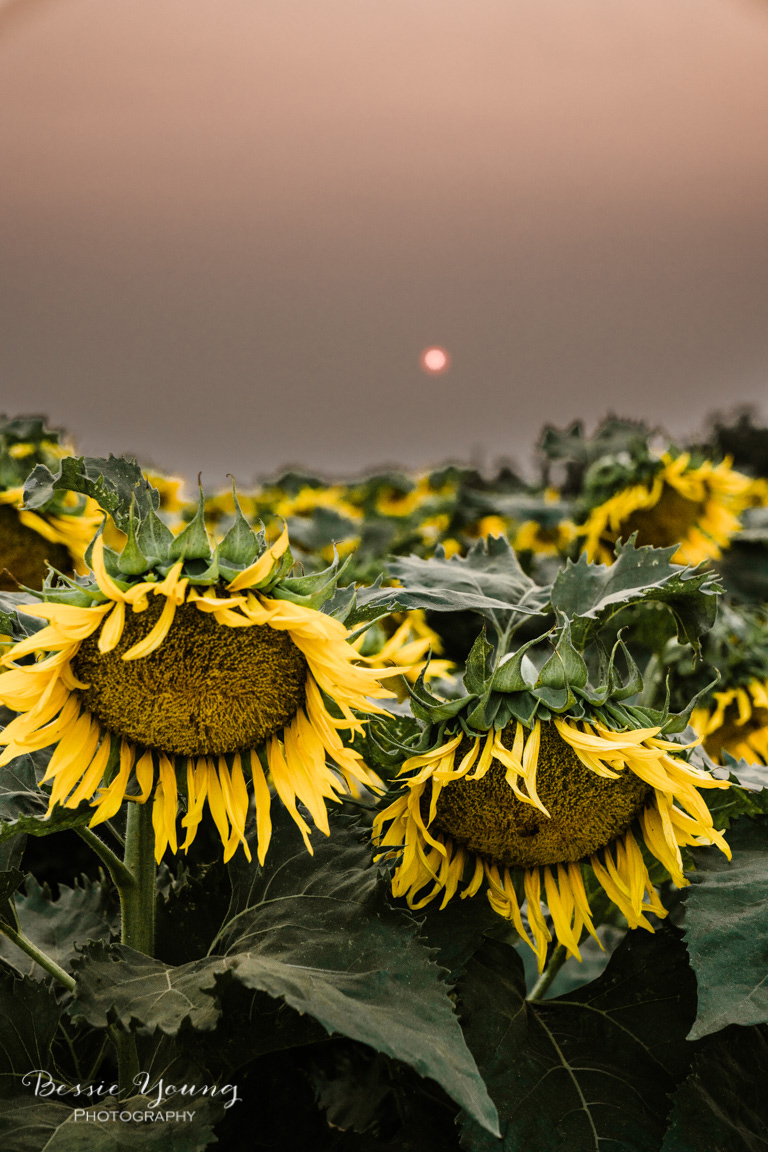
(371, 783)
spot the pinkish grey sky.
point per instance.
(228, 230)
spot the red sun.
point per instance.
(434, 360)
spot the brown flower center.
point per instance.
(207, 690)
(667, 523)
(586, 811)
(24, 553)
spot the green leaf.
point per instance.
(87, 911)
(317, 932)
(726, 929)
(488, 580)
(114, 483)
(458, 930)
(117, 983)
(721, 1105)
(589, 594)
(24, 804)
(29, 1016)
(590, 1071)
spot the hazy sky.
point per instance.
(228, 229)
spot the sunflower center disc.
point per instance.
(586, 811)
(24, 553)
(207, 690)
(667, 523)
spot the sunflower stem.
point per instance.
(127, 1061)
(136, 881)
(137, 898)
(50, 966)
(556, 961)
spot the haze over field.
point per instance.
(228, 232)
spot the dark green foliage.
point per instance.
(588, 1071)
(722, 1105)
(726, 930)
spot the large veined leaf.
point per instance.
(29, 1015)
(458, 930)
(84, 912)
(24, 804)
(317, 932)
(590, 1071)
(46, 1125)
(726, 929)
(721, 1106)
(114, 483)
(589, 594)
(488, 580)
(117, 983)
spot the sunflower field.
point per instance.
(408, 812)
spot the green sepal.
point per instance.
(565, 667)
(619, 690)
(427, 707)
(132, 561)
(520, 706)
(111, 562)
(313, 590)
(483, 716)
(558, 699)
(82, 591)
(154, 539)
(479, 667)
(508, 677)
(201, 573)
(192, 542)
(240, 546)
(279, 571)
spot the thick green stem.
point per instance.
(138, 898)
(127, 1061)
(556, 961)
(136, 882)
(50, 966)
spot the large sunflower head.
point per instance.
(666, 500)
(54, 531)
(179, 667)
(553, 775)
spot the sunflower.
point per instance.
(188, 674)
(59, 531)
(528, 811)
(737, 722)
(697, 508)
